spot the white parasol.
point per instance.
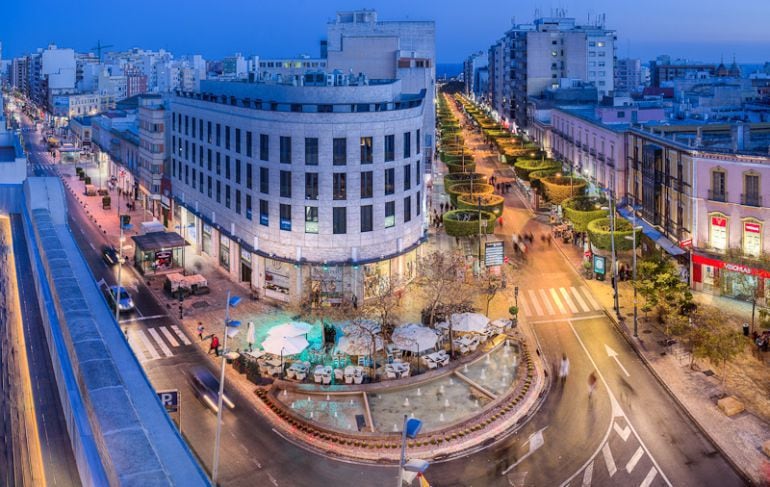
(278, 345)
(414, 338)
(469, 322)
(290, 329)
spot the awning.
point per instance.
(159, 241)
(652, 233)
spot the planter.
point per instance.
(559, 188)
(581, 210)
(524, 167)
(466, 188)
(463, 223)
(599, 233)
(489, 202)
(460, 178)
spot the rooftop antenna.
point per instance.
(98, 48)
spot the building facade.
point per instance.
(317, 192)
(628, 75)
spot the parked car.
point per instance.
(206, 388)
(110, 255)
(124, 301)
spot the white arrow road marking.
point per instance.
(623, 433)
(649, 478)
(614, 355)
(634, 460)
(535, 441)
(588, 475)
(608, 460)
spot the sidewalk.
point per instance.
(739, 437)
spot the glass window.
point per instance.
(752, 238)
(208, 132)
(264, 147)
(390, 181)
(367, 152)
(407, 177)
(264, 180)
(390, 148)
(219, 164)
(249, 175)
(367, 217)
(311, 151)
(390, 214)
(367, 184)
(227, 196)
(238, 201)
(227, 167)
(285, 148)
(718, 232)
(238, 140)
(311, 219)
(285, 217)
(219, 191)
(417, 140)
(248, 206)
(340, 151)
(407, 145)
(417, 175)
(418, 203)
(237, 171)
(407, 209)
(339, 220)
(227, 137)
(249, 142)
(208, 187)
(285, 184)
(311, 186)
(339, 190)
(264, 214)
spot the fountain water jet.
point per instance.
(327, 397)
(406, 402)
(441, 417)
(419, 392)
(484, 373)
(446, 403)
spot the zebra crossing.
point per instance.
(155, 343)
(557, 301)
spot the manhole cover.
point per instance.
(200, 304)
(708, 373)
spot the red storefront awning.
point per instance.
(719, 264)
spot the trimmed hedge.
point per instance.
(459, 168)
(465, 188)
(524, 167)
(466, 177)
(581, 210)
(559, 188)
(536, 176)
(489, 202)
(456, 225)
(599, 233)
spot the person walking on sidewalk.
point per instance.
(564, 368)
(200, 330)
(214, 345)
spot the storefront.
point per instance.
(158, 252)
(206, 246)
(224, 252)
(732, 280)
(327, 284)
(277, 279)
(246, 269)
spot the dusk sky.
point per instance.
(703, 29)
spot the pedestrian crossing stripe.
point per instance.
(153, 347)
(558, 301)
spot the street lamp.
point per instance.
(633, 240)
(614, 257)
(412, 427)
(231, 302)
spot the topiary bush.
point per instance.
(599, 233)
(536, 176)
(466, 177)
(581, 210)
(466, 188)
(559, 188)
(463, 223)
(489, 202)
(524, 167)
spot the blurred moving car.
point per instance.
(110, 255)
(124, 302)
(206, 388)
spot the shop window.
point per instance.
(718, 232)
(752, 238)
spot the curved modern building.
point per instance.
(314, 187)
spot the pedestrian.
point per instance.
(591, 384)
(200, 330)
(542, 239)
(214, 345)
(564, 368)
(500, 221)
(250, 336)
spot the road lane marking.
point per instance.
(535, 441)
(533, 298)
(590, 298)
(142, 318)
(166, 351)
(138, 352)
(588, 474)
(546, 302)
(181, 335)
(148, 345)
(614, 355)
(579, 299)
(567, 300)
(634, 460)
(623, 433)
(525, 306)
(650, 477)
(171, 340)
(556, 300)
(617, 411)
(608, 460)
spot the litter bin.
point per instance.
(745, 329)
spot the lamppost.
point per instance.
(231, 302)
(611, 209)
(633, 240)
(183, 231)
(479, 202)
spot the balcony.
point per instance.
(592, 152)
(751, 199)
(601, 157)
(720, 196)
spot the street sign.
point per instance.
(170, 400)
(494, 255)
(686, 244)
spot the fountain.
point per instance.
(484, 373)
(285, 393)
(411, 415)
(311, 414)
(446, 403)
(465, 368)
(327, 397)
(293, 405)
(406, 402)
(441, 389)
(451, 381)
(476, 403)
(441, 417)
(395, 427)
(335, 414)
(308, 398)
(351, 402)
(486, 360)
(419, 392)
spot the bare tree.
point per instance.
(363, 327)
(491, 284)
(311, 308)
(383, 304)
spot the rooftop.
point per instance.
(7, 154)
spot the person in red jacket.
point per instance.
(214, 346)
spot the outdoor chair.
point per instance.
(300, 376)
(339, 375)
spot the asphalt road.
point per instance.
(630, 432)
